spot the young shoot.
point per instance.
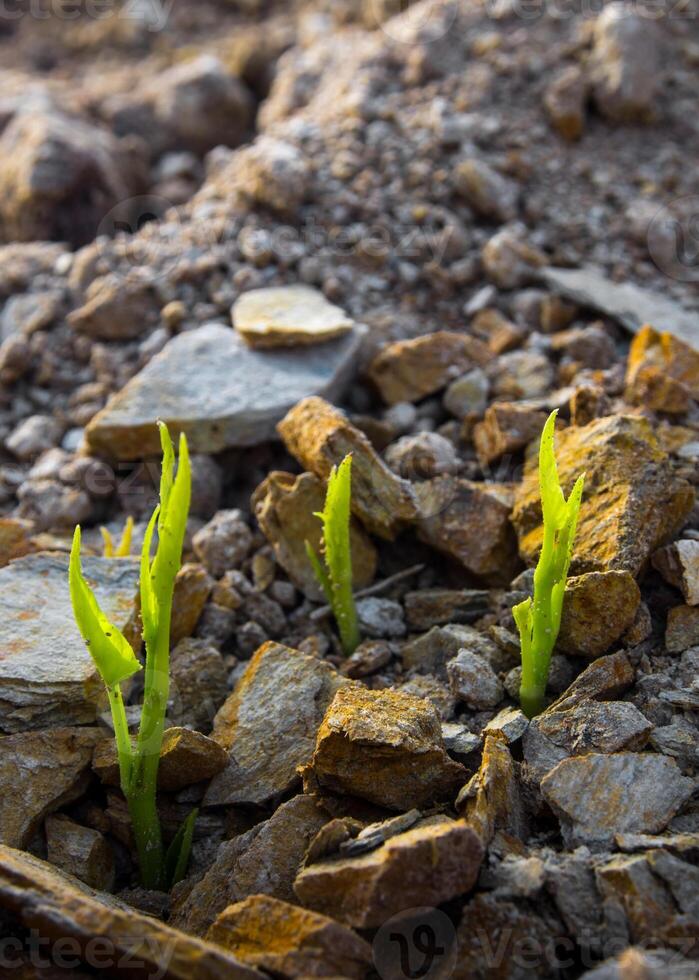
(123, 549)
(539, 620)
(116, 662)
(335, 573)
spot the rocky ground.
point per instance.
(297, 230)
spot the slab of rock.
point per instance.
(385, 747)
(408, 370)
(320, 437)
(598, 608)
(469, 522)
(678, 563)
(632, 501)
(289, 941)
(625, 302)
(491, 801)
(506, 428)
(117, 307)
(596, 796)
(287, 316)
(662, 372)
(209, 384)
(285, 506)
(269, 724)
(473, 681)
(589, 726)
(58, 907)
(625, 63)
(198, 684)
(431, 652)
(80, 851)
(509, 723)
(605, 679)
(489, 193)
(186, 757)
(437, 860)
(264, 860)
(682, 630)
(435, 607)
(47, 677)
(39, 772)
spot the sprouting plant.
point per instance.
(116, 662)
(123, 549)
(539, 620)
(335, 576)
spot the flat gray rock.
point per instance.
(47, 677)
(625, 302)
(211, 385)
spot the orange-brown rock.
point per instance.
(605, 678)
(632, 500)
(186, 757)
(598, 608)
(564, 101)
(193, 586)
(433, 862)
(662, 372)
(15, 539)
(409, 370)
(491, 800)
(289, 941)
(678, 563)
(320, 437)
(81, 851)
(58, 907)
(682, 630)
(507, 427)
(470, 522)
(285, 507)
(385, 747)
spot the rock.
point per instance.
(263, 861)
(632, 501)
(433, 862)
(186, 758)
(198, 684)
(272, 173)
(268, 724)
(223, 543)
(491, 800)
(458, 739)
(320, 437)
(117, 307)
(588, 726)
(564, 101)
(408, 370)
(60, 175)
(288, 941)
(385, 747)
(678, 739)
(605, 679)
(678, 563)
(625, 302)
(489, 193)
(474, 682)
(369, 657)
(433, 691)
(209, 384)
(662, 372)
(598, 608)
(506, 428)
(625, 63)
(467, 395)
(380, 618)
(435, 607)
(47, 677)
(682, 630)
(596, 796)
(635, 962)
(15, 539)
(192, 589)
(80, 851)
(509, 261)
(521, 374)
(34, 435)
(287, 316)
(469, 522)
(510, 723)
(51, 505)
(431, 652)
(285, 507)
(58, 908)
(422, 456)
(39, 772)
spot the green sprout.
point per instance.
(335, 576)
(539, 620)
(116, 662)
(123, 549)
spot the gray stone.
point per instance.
(269, 724)
(34, 435)
(473, 681)
(223, 543)
(47, 676)
(625, 63)
(458, 739)
(468, 394)
(380, 618)
(625, 302)
(510, 722)
(422, 456)
(596, 796)
(209, 384)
